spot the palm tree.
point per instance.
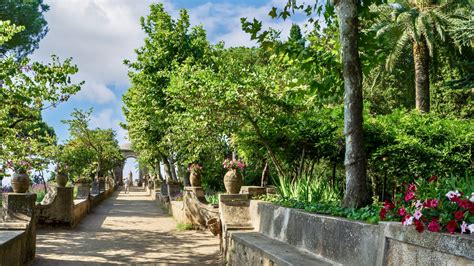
(421, 24)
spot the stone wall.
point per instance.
(13, 247)
(356, 243)
(57, 208)
(81, 209)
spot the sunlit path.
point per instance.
(126, 228)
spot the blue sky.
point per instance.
(100, 34)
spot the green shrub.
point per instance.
(404, 146)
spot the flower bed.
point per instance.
(427, 204)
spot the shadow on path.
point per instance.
(126, 228)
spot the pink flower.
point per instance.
(408, 220)
(431, 203)
(433, 226)
(417, 215)
(388, 205)
(418, 204)
(463, 227)
(412, 187)
(402, 211)
(409, 196)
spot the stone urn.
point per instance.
(61, 179)
(233, 181)
(20, 182)
(195, 178)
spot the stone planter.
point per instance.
(233, 181)
(20, 182)
(61, 179)
(195, 179)
(83, 190)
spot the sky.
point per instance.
(100, 34)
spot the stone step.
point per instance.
(253, 248)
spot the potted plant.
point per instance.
(20, 178)
(233, 177)
(195, 171)
(61, 174)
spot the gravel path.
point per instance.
(125, 229)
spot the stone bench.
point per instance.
(253, 248)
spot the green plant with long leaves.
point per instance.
(421, 25)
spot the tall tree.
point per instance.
(421, 24)
(355, 160)
(30, 15)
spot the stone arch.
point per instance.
(127, 152)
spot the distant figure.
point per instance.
(128, 182)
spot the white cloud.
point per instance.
(106, 119)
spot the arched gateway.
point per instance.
(127, 152)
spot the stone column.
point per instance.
(20, 207)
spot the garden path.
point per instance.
(126, 229)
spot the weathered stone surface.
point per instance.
(234, 209)
(83, 191)
(20, 207)
(81, 209)
(12, 248)
(337, 239)
(252, 248)
(253, 191)
(197, 210)
(59, 210)
(355, 243)
(404, 245)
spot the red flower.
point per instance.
(432, 179)
(388, 205)
(431, 203)
(382, 213)
(419, 226)
(459, 215)
(402, 212)
(455, 199)
(466, 204)
(451, 226)
(433, 226)
(409, 196)
(412, 187)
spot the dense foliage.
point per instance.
(29, 15)
(26, 89)
(89, 152)
(278, 107)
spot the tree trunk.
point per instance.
(167, 167)
(158, 171)
(355, 161)
(173, 170)
(422, 77)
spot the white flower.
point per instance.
(417, 215)
(409, 221)
(452, 194)
(471, 228)
(463, 227)
(472, 197)
(418, 204)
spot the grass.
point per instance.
(184, 226)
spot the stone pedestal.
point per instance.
(173, 190)
(83, 191)
(20, 207)
(234, 213)
(198, 191)
(101, 186)
(253, 191)
(164, 189)
(60, 210)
